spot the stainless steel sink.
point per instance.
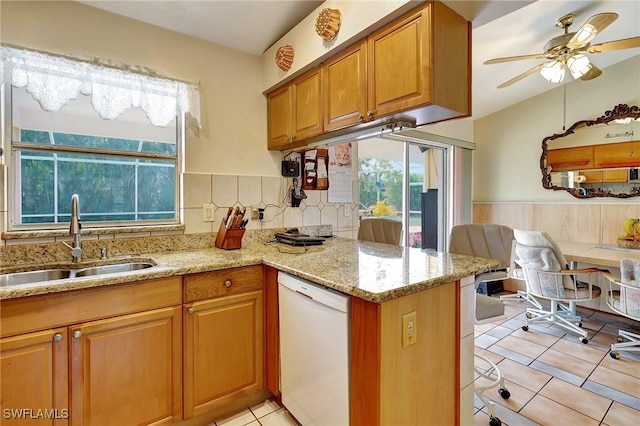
(34, 276)
(113, 269)
(47, 275)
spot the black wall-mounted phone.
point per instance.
(290, 168)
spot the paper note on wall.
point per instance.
(341, 188)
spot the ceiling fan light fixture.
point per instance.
(553, 72)
(579, 65)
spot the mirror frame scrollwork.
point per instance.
(620, 111)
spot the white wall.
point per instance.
(234, 113)
(508, 142)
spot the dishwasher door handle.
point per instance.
(304, 294)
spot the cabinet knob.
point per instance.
(77, 334)
(190, 311)
(57, 337)
(292, 138)
(227, 283)
(360, 118)
(369, 114)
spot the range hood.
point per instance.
(365, 132)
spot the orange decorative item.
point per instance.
(328, 23)
(284, 57)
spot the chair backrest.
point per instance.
(380, 230)
(486, 240)
(629, 304)
(540, 256)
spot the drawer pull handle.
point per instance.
(77, 334)
(57, 337)
(227, 283)
(190, 311)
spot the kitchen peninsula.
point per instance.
(390, 384)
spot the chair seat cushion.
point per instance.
(487, 307)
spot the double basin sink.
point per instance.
(51, 275)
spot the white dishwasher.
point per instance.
(314, 352)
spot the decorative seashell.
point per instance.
(284, 57)
(328, 23)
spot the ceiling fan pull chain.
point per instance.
(564, 112)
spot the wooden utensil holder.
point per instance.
(229, 239)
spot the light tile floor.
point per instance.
(556, 380)
(552, 377)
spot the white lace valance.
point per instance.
(54, 81)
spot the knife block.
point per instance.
(229, 239)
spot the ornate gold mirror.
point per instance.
(595, 158)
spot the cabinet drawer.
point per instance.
(227, 282)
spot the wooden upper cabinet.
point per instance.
(399, 71)
(295, 110)
(33, 372)
(567, 159)
(623, 154)
(307, 105)
(416, 68)
(279, 121)
(345, 88)
(616, 175)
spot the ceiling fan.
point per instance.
(569, 50)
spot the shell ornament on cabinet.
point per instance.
(328, 23)
(284, 57)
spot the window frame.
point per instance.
(11, 181)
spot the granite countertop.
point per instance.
(371, 271)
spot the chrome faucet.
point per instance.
(74, 229)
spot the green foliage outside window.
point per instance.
(110, 187)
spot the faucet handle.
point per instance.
(76, 252)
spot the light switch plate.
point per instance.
(208, 211)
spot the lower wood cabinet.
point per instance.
(101, 356)
(223, 338)
(127, 370)
(134, 354)
(33, 377)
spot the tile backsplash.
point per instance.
(268, 192)
(224, 191)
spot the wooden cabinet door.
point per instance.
(616, 175)
(613, 155)
(568, 159)
(33, 378)
(345, 88)
(592, 176)
(127, 370)
(279, 117)
(399, 64)
(307, 105)
(223, 351)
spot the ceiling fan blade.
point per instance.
(626, 43)
(521, 76)
(592, 73)
(513, 58)
(594, 26)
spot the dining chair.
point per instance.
(380, 230)
(548, 277)
(623, 297)
(491, 241)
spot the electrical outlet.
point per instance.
(208, 211)
(409, 329)
(255, 212)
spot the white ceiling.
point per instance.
(500, 28)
